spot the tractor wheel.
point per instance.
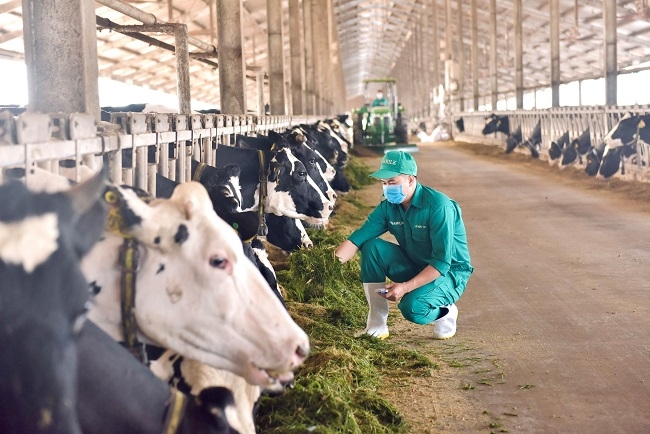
(401, 133)
(357, 134)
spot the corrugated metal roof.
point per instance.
(372, 35)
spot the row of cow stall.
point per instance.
(136, 148)
(547, 127)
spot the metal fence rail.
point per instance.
(554, 122)
(175, 139)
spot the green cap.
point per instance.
(396, 163)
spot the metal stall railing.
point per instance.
(158, 142)
(555, 122)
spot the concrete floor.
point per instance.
(560, 294)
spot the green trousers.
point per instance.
(381, 259)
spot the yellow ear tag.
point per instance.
(641, 124)
(110, 197)
(114, 219)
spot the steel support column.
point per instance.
(461, 58)
(474, 55)
(611, 64)
(61, 56)
(275, 56)
(555, 52)
(493, 54)
(182, 53)
(436, 53)
(519, 54)
(326, 65)
(296, 57)
(310, 87)
(232, 87)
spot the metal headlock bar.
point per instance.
(156, 142)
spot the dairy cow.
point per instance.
(43, 302)
(556, 147)
(118, 394)
(286, 190)
(576, 150)
(621, 144)
(195, 291)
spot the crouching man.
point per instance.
(429, 267)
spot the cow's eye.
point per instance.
(218, 262)
(312, 161)
(302, 174)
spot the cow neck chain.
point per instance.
(130, 263)
(199, 172)
(174, 411)
(263, 178)
(129, 260)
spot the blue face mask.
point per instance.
(394, 193)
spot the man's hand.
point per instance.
(395, 291)
(346, 251)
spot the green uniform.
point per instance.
(430, 232)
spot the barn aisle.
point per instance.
(559, 298)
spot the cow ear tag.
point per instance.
(114, 220)
(641, 124)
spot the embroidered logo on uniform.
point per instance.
(420, 226)
(393, 162)
(396, 223)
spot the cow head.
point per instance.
(569, 155)
(325, 166)
(293, 193)
(197, 293)
(593, 159)
(615, 159)
(624, 132)
(555, 149)
(43, 302)
(310, 159)
(496, 123)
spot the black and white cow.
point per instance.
(556, 148)
(534, 140)
(631, 133)
(287, 233)
(514, 140)
(118, 394)
(322, 142)
(290, 191)
(496, 124)
(576, 150)
(593, 159)
(43, 302)
(299, 148)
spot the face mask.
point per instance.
(394, 193)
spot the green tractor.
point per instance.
(380, 123)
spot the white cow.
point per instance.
(197, 294)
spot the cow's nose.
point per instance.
(331, 207)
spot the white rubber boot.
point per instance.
(445, 326)
(378, 313)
